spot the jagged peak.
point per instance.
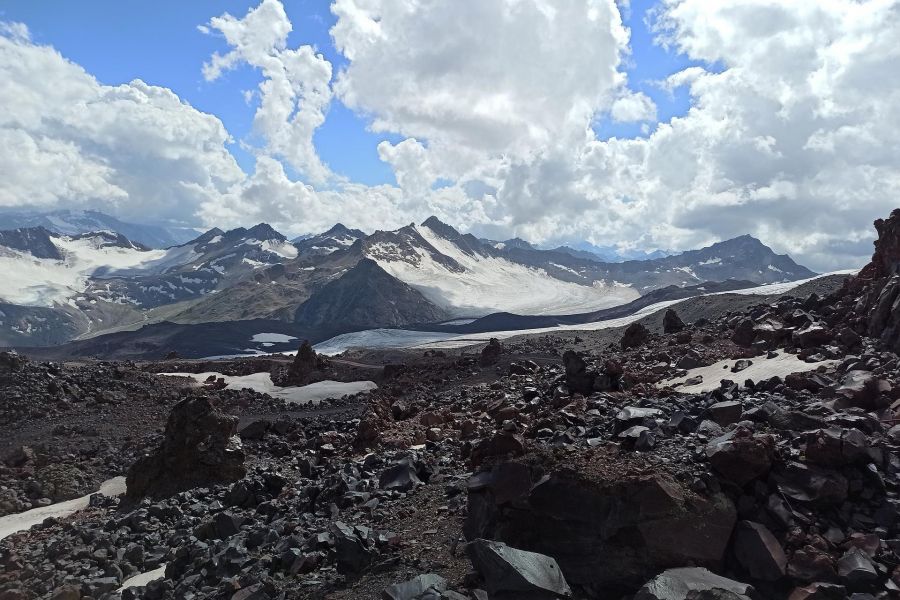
(341, 229)
(440, 228)
(264, 231)
(518, 242)
(205, 237)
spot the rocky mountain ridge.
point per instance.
(88, 285)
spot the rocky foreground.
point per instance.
(503, 474)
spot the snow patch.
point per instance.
(11, 524)
(272, 338)
(262, 382)
(489, 284)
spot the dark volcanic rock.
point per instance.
(305, 364)
(672, 323)
(490, 354)
(425, 587)
(740, 456)
(744, 333)
(512, 573)
(635, 335)
(758, 552)
(199, 448)
(693, 584)
(605, 532)
(872, 295)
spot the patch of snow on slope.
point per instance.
(262, 382)
(491, 284)
(711, 261)
(565, 268)
(273, 338)
(282, 249)
(34, 281)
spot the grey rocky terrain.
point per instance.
(530, 468)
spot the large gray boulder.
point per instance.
(422, 587)
(692, 582)
(513, 573)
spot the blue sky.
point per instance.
(158, 42)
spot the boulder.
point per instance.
(606, 532)
(578, 378)
(808, 483)
(740, 456)
(672, 323)
(512, 573)
(814, 334)
(500, 444)
(758, 552)
(256, 430)
(740, 365)
(726, 413)
(490, 354)
(693, 583)
(855, 568)
(862, 389)
(836, 446)
(305, 364)
(400, 477)
(635, 335)
(744, 334)
(11, 361)
(422, 587)
(352, 554)
(199, 448)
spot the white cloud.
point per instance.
(633, 107)
(296, 89)
(792, 133)
(791, 136)
(71, 141)
(500, 78)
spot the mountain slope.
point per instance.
(468, 278)
(365, 297)
(74, 222)
(472, 277)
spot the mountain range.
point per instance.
(73, 222)
(102, 286)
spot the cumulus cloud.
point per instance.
(296, 88)
(70, 141)
(791, 134)
(502, 77)
(633, 107)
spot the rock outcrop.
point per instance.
(199, 448)
(870, 302)
(605, 532)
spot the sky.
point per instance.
(665, 124)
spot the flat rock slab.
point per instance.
(762, 368)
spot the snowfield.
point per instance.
(402, 338)
(491, 284)
(15, 523)
(262, 382)
(31, 281)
